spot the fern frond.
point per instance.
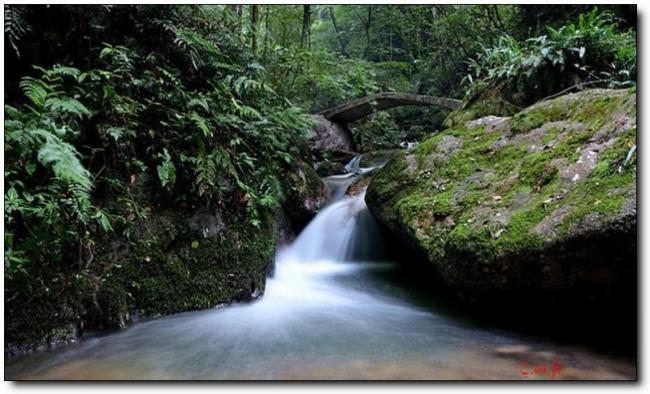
(64, 159)
(15, 25)
(201, 123)
(36, 90)
(206, 174)
(64, 71)
(199, 102)
(68, 105)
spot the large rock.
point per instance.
(535, 208)
(328, 136)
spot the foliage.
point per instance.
(190, 109)
(591, 50)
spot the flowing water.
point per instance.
(332, 310)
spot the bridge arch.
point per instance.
(357, 109)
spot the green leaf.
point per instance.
(166, 170)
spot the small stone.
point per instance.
(512, 350)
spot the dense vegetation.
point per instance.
(206, 107)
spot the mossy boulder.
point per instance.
(183, 260)
(305, 194)
(540, 206)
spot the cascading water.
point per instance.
(331, 311)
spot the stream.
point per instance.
(334, 309)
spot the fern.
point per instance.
(64, 160)
(199, 102)
(64, 71)
(201, 123)
(206, 174)
(15, 25)
(202, 52)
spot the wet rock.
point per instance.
(377, 158)
(326, 135)
(328, 168)
(305, 194)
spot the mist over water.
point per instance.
(330, 311)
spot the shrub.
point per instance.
(593, 50)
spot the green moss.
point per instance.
(534, 117)
(537, 171)
(597, 111)
(429, 145)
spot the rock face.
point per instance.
(184, 260)
(328, 136)
(176, 260)
(305, 194)
(537, 207)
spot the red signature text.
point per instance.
(547, 370)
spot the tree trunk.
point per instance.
(255, 18)
(336, 31)
(306, 26)
(266, 32)
(367, 28)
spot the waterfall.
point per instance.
(343, 231)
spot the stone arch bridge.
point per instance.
(330, 131)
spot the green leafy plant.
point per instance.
(593, 50)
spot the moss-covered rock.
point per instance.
(183, 260)
(175, 258)
(539, 205)
(304, 195)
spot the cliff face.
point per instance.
(539, 205)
